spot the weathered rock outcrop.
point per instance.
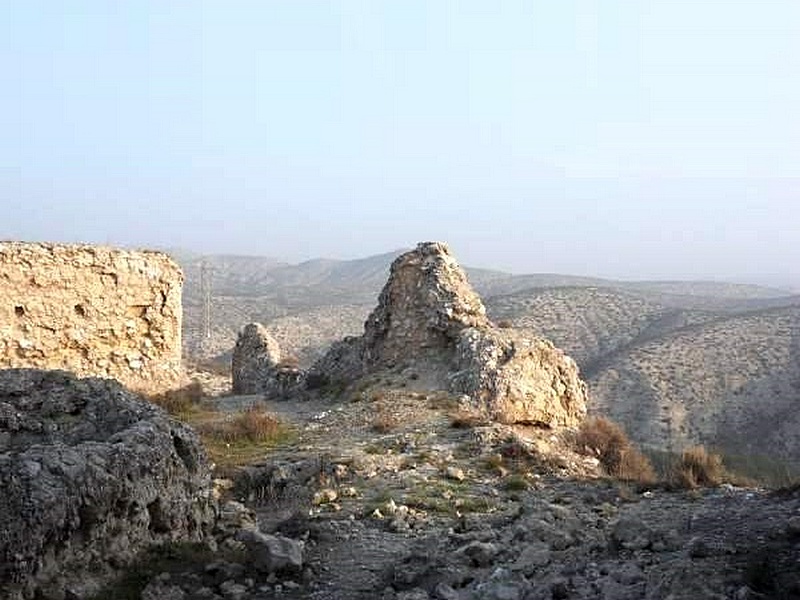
(256, 364)
(90, 474)
(429, 317)
(518, 378)
(92, 310)
(423, 308)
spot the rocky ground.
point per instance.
(393, 491)
(91, 475)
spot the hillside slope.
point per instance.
(590, 323)
(733, 383)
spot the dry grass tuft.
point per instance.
(608, 442)
(697, 467)
(253, 425)
(636, 467)
(181, 401)
(241, 438)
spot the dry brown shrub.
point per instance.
(603, 439)
(697, 467)
(252, 425)
(384, 421)
(608, 442)
(180, 401)
(635, 466)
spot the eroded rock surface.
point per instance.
(90, 474)
(518, 377)
(423, 308)
(576, 541)
(429, 318)
(92, 310)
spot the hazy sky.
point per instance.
(627, 138)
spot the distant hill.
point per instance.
(590, 323)
(709, 289)
(248, 288)
(727, 375)
(260, 276)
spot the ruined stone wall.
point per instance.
(92, 310)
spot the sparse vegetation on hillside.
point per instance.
(731, 383)
(585, 322)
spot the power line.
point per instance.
(205, 292)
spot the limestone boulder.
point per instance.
(518, 378)
(272, 553)
(90, 474)
(342, 364)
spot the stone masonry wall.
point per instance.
(92, 310)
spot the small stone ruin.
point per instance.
(256, 366)
(430, 320)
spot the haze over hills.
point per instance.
(363, 278)
(265, 288)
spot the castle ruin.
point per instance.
(92, 310)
